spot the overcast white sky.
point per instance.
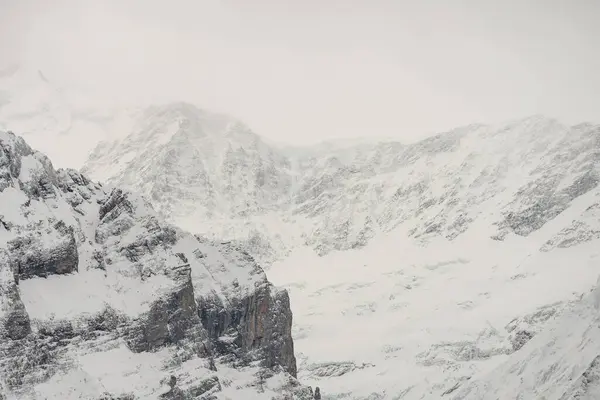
(301, 71)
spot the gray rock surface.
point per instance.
(260, 323)
(162, 293)
(560, 362)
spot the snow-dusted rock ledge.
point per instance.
(100, 299)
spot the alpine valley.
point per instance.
(461, 266)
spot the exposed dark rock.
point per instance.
(76, 187)
(549, 203)
(522, 329)
(330, 369)
(126, 396)
(201, 390)
(170, 320)
(520, 338)
(58, 330)
(114, 205)
(163, 237)
(255, 326)
(452, 389)
(108, 320)
(14, 322)
(10, 159)
(208, 385)
(29, 360)
(174, 393)
(587, 386)
(261, 321)
(33, 257)
(317, 393)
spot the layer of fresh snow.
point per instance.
(409, 316)
(89, 292)
(118, 370)
(389, 308)
(422, 298)
(561, 362)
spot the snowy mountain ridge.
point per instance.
(100, 299)
(339, 198)
(459, 266)
(431, 253)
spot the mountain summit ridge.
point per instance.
(336, 198)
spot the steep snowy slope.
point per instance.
(200, 169)
(561, 363)
(195, 165)
(339, 198)
(525, 172)
(456, 251)
(99, 299)
(416, 322)
(436, 303)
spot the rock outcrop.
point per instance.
(94, 286)
(14, 320)
(258, 324)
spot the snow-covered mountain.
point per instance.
(426, 320)
(459, 266)
(417, 271)
(195, 164)
(205, 172)
(100, 299)
(562, 362)
(209, 174)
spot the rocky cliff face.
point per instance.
(99, 298)
(260, 323)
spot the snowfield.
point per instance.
(398, 320)
(414, 270)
